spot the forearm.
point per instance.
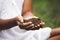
(27, 6)
(8, 23)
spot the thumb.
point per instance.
(42, 23)
(20, 18)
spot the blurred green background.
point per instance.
(48, 11)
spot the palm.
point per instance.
(35, 20)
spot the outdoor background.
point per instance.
(48, 11)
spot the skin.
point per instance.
(55, 32)
(55, 38)
(27, 6)
(27, 11)
(18, 20)
(9, 23)
(27, 14)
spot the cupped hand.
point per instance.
(22, 24)
(35, 19)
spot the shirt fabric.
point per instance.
(12, 8)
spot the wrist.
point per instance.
(8, 23)
(29, 13)
(15, 20)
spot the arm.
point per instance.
(27, 12)
(8, 23)
(27, 7)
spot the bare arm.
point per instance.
(8, 23)
(27, 7)
(27, 12)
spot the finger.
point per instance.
(24, 24)
(32, 25)
(34, 28)
(20, 18)
(27, 23)
(42, 23)
(19, 23)
(37, 25)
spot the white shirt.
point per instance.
(12, 8)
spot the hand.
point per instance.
(29, 16)
(21, 23)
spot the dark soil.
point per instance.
(35, 21)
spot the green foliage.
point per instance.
(48, 11)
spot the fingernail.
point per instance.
(38, 25)
(35, 26)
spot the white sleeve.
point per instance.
(0, 7)
(11, 8)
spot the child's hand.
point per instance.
(22, 24)
(35, 19)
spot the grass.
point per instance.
(48, 11)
